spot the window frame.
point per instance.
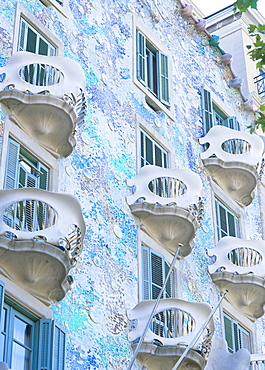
(147, 254)
(141, 124)
(155, 144)
(37, 167)
(213, 109)
(240, 328)
(50, 346)
(13, 310)
(146, 240)
(151, 100)
(51, 49)
(218, 202)
(36, 25)
(33, 148)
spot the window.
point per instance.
(152, 69)
(155, 269)
(31, 40)
(226, 221)
(152, 152)
(26, 342)
(213, 116)
(235, 335)
(23, 170)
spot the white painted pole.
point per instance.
(223, 294)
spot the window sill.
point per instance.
(153, 102)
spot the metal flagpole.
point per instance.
(154, 308)
(223, 294)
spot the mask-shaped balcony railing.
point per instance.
(168, 204)
(45, 96)
(41, 239)
(239, 267)
(173, 327)
(231, 159)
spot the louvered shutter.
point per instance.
(231, 122)
(45, 345)
(44, 177)
(51, 349)
(229, 337)
(11, 177)
(146, 272)
(22, 35)
(244, 339)
(163, 78)
(58, 349)
(156, 274)
(140, 57)
(207, 110)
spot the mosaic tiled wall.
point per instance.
(98, 34)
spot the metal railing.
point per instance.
(41, 74)
(236, 146)
(260, 81)
(244, 257)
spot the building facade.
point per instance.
(233, 31)
(127, 174)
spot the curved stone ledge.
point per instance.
(237, 179)
(168, 225)
(154, 357)
(37, 267)
(47, 119)
(245, 292)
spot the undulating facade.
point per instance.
(132, 198)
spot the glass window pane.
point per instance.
(22, 332)
(149, 150)
(20, 358)
(43, 47)
(31, 41)
(231, 223)
(223, 219)
(158, 157)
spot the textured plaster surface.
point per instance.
(99, 36)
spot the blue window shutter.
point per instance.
(163, 78)
(229, 337)
(45, 345)
(157, 275)
(44, 177)
(146, 272)
(140, 57)
(207, 110)
(231, 122)
(11, 176)
(51, 353)
(58, 349)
